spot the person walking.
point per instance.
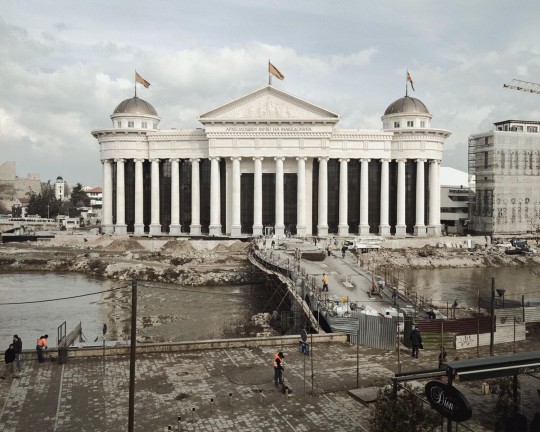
(17, 346)
(9, 358)
(324, 282)
(416, 341)
(278, 368)
(395, 296)
(442, 358)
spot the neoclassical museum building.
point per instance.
(270, 162)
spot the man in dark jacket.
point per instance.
(416, 341)
(9, 358)
(17, 346)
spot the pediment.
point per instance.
(268, 104)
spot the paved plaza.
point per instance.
(82, 395)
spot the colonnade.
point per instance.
(255, 166)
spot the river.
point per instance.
(166, 312)
(440, 286)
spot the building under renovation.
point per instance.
(504, 163)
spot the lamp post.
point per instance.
(48, 216)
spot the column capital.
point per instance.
(174, 160)
(301, 158)
(217, 158)
(435, 161)
(344, 160)
(121, 160)
(138, 160)
(365, 160)
(421, 160)
(258, 158)
(197, 160)
(154, 160)
(401, 160)
(106, 161)
(387, 160)
(281, 158)
(325, 158)
(239, 158)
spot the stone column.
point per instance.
(257, 196)
(195, 227)
(120, 227)
(236, 227)
(322, 226)
(155, 225)
(434, 228)
(420, 227)
(301, 197)
(279, 228)
(384, 227)
(363, 228)
(139, 198)
(401, 227)
(107, 222)
(215, 198)
(175, 228)
(343, 226)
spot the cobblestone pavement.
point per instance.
(80, 396)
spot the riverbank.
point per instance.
(183, 262)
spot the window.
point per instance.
(131, 124)
(410, 123)
(485, 159)
(533, 129)
(396, 124)
(422, 123)
(119, 124)
(144, 125)
(155, 125)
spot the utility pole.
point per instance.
(492, 334)
(131, 414)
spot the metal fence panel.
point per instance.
(373, 331)
(532, 314)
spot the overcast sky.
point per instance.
(65, 66)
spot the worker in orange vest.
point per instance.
(41, 346)
(278, 368)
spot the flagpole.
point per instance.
(135, 83)
(406, 85)
(269, 74)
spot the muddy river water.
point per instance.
(165, 312)
(174, 313)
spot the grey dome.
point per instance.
(135, 106)
(406, 104)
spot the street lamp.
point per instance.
(48, 215)
(500, 293)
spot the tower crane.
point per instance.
(525, 86)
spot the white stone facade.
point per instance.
(271, 160)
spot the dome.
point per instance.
(135, 106)
(405, 105)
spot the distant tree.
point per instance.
(79, 198)
(44, 203)
(3, 207)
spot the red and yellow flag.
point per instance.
(273, 70)
(409, 79)
(141, 80)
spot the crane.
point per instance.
(525, 86)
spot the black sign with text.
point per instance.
(448, 401)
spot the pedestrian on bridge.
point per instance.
(416, 341)
(324, 282)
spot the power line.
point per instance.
(61, 298)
